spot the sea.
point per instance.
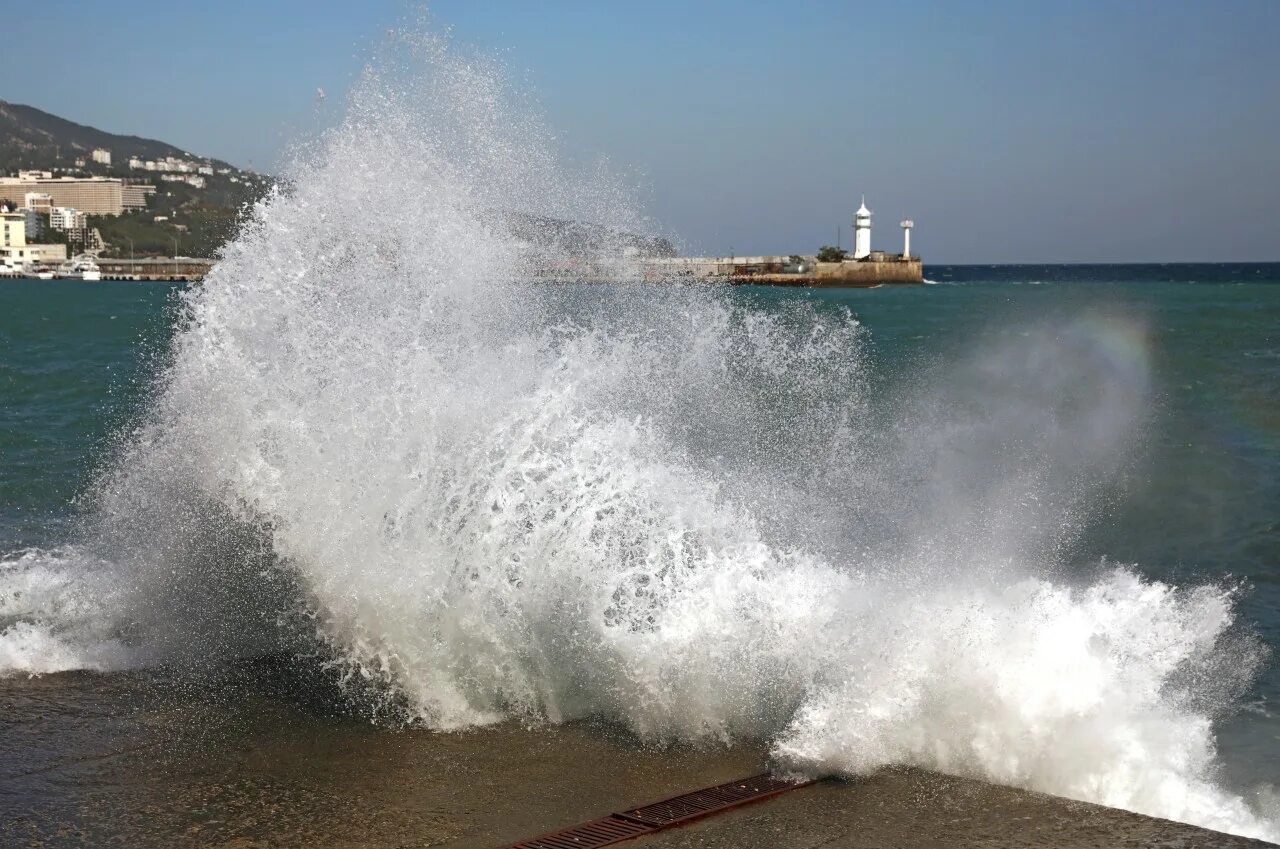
(1090, 456)
(324, 549)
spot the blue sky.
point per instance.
(1010, 131)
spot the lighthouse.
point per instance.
(862, 231)
(906, 238)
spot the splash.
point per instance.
(51, 607)
(683, 509)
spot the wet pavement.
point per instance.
(233, 759)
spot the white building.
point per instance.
(68, 219)
(20, 260)
(38, 202)
(862, 232)
(171, 165)
(102, 156)
(13, 229)
(189, 179)
(75, 224)
(90, 195)
(17, 253)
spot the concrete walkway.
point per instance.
(144, 761)
(917, 810)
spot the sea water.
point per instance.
(1019, 532)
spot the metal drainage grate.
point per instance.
(611, 829)
(677, 810)
(709, 801)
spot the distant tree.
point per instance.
(795, 259)
(830, 254)
(50, 236)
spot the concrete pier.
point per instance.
(155, 268)
(852, 274)
(877, 269)
(249, 757)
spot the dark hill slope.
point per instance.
(32, 138)
(198, 221)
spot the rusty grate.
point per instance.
(677, 810)
(611, 829)
(709, 801)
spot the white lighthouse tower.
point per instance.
(862, 231)
(906, 238)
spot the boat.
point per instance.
(80, 268)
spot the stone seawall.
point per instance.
(851, 274)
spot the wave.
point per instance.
(678, 508)
(52, 606)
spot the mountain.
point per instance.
(33, 138)
(188, 213)
(198, 219)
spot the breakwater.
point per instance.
(876, 270)
(155, 268)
